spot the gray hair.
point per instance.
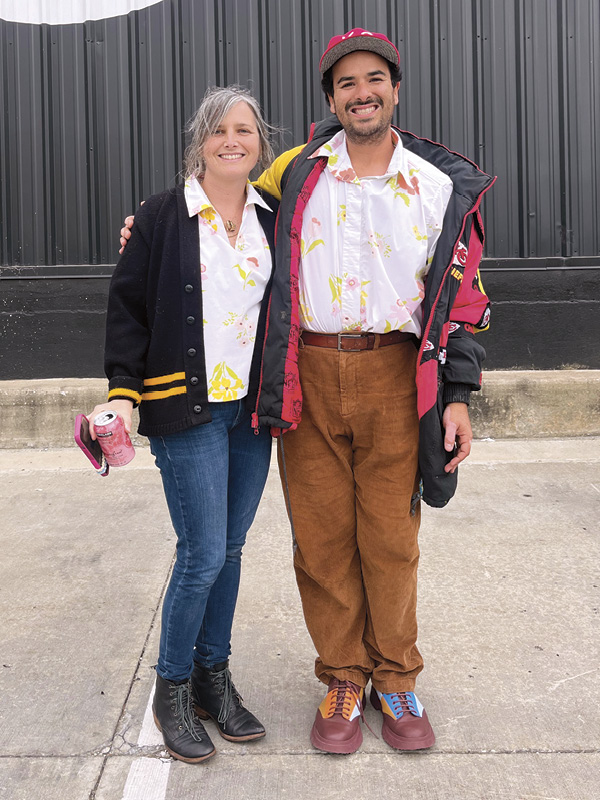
(215, 106)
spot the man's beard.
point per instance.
(361, 135)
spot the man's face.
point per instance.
(363, 96)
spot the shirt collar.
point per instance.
(340, 166)
(197, 200)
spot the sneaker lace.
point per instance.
(346, 695)
(403, 701)
(225, 685)
(184, 710)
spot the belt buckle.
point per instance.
(349, 336)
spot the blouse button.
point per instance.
(189, 288)
(191, 352)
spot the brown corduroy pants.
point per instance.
(352, 472)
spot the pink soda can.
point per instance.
(113, 438)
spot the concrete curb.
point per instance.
(532, 404)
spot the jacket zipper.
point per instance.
(254, 417)
(447, 270)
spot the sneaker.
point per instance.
(337, 724)
(405, 722)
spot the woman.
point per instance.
(185, 327)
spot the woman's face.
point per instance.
(234, 147)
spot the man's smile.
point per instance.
(364, 110)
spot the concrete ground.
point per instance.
(509, 628)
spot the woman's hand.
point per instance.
(123, 408)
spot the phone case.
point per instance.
(89, 446)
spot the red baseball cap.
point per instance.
(358, 39)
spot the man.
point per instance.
(378, 244)
(369, 362)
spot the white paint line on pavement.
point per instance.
(147, 780)
(593, 485)
(148, 777)
(149, 734)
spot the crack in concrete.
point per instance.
(156, 751)
(123, 714)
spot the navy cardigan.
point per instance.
(154, 353)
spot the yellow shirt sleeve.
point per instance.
(270, 180)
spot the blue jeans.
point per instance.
(213, 476)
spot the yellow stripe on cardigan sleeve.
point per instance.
(166, 393)
(129, 393)
(174, 376)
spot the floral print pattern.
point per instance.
(224, 384)
(244, 327)
(367, 243)
(312, 240)
(233, 283)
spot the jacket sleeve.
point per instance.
(469, 315)
(127, 328)
(270, 180)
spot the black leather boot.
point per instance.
(216, 697)
(184, 734)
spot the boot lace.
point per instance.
(185, 711)
(225, 686)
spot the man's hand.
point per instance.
(125, 233)
(457, 428)
(123, 408)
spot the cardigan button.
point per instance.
(194, 381)
(197, 409)
(191, 320)
(189, 288)
(191, 352)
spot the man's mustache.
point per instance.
(369, 101)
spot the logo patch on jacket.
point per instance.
(460, 257)
(454, 326)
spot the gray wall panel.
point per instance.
(541, 129)
(500, 119)
(581, 87)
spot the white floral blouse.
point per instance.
(233, 285)
(367, 243)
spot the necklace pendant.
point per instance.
(229, 226)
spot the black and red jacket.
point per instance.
(454, 306)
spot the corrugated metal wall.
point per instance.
(92, 113)
(92, 121)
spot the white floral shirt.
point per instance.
(233, 285)
(367, 243)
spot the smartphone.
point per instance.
(91, 447)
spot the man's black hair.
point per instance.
(327, 79)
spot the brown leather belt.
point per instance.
(354, 341)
